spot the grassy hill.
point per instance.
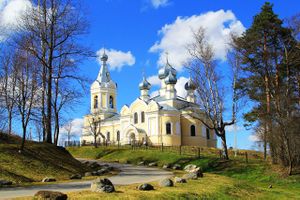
(37, 161)
(234, 179)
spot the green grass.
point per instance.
(234, 179)
(38, 160)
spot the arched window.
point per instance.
(142, 116)
(118, 135)
(207, 134)
(95, 102)
(108, 136)
(135, 118)
(168, 128)
(193, 130)
(111, 102)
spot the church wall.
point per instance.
(187, 139)
(174, 139)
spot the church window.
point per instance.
(143, 117)
(207, 134)
(95, 102)
(193, 130)
(168, 128)
(118, 135)
(135, 118)
(108, 136)
(111, 102)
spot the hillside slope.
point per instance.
(37, 161)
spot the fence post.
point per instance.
(179, 149)
(246, 155)
(198, 152)
(162, 147)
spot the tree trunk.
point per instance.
(49, 108)
(224, 145)
(10, 122)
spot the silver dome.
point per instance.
(190, 85)
(171, 78)
(144, 85)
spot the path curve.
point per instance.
(129, 174)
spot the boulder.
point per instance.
(5, 183)
(48, 179)
(94, 173)
(193, 168)
(75, 176)
(167, 166)
(145, 187)
(153, 164)
(94, 165)
(88, 174)
(192, 175)
(166, 183)
(179, 180)
(141, 163)
(176, 167)
(102, 185)
(102, 172)
(50, 195)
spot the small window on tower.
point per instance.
(95, 102)
(193, 130)
(111, 102)
(168, 128)
(135, 118)
(143, 116)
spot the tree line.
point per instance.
(39, 67)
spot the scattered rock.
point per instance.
(176, 167)
(75, 176)
(153, 164)
(167, 166)
(88, 174)
(166, 183)
(145, 187)
(102, 185)
(102, 172)
(192, 175)
(94, 165)
(194, 168)
(94, 173)
(142, 163)
(179, 180)
(51, 195)
(48, 179)
(5, 183)
(270, 186)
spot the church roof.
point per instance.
(104, 75)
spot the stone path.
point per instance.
(129, 175)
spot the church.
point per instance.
(166, 119)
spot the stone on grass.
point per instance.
(193, 168)
(270, 186)
(166, 183)
(142, 163)
(102, 172)
(192, 175)
(5, 183)
(145, 187)
(153, 164)
(167, 166)
(102, 185)
(179, 180)
(48, 179)
(75, 176)
(50, 195)
(88, 174)
(94, 165)
(176, 167)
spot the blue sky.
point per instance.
(133, 34)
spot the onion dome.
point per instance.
(190, 85)
(164, 71)
(171, 78)
(144, 85)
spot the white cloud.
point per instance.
(254, 138)
(117, 59)
(180, 86)
(178, 35)
(159, 3)
(154, 80)
(76, 130)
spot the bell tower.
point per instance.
(104, 92)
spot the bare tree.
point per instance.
(26, 90)
(53, 29)
(95, 129)
(203, 68)
(8, 85)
